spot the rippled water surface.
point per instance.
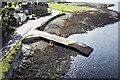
(103, 62)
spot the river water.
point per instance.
(103, 61)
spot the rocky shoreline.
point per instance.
(39, 59)
(93, 5)
(81, 22)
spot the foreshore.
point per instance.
(46, 61)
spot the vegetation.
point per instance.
(74, 3)
(6, 18)
(5, 64)
(10, 4)
(10, 32)
(65, 8)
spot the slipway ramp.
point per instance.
(74, 45)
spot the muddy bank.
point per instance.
(82, 21)
(93, 5)
(43, 61)
(40, 59)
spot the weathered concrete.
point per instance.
(23, 30)
(80, 47)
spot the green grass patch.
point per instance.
(61, 13)
(66, 8)
(75, 3)
(6, 62)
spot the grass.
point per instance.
(61, 13)
(75, 3)
(66, 8)
(5, 64)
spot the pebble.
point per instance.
(23, 61)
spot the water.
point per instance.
(103, 62)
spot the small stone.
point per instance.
(23, 61)
(15, 67)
